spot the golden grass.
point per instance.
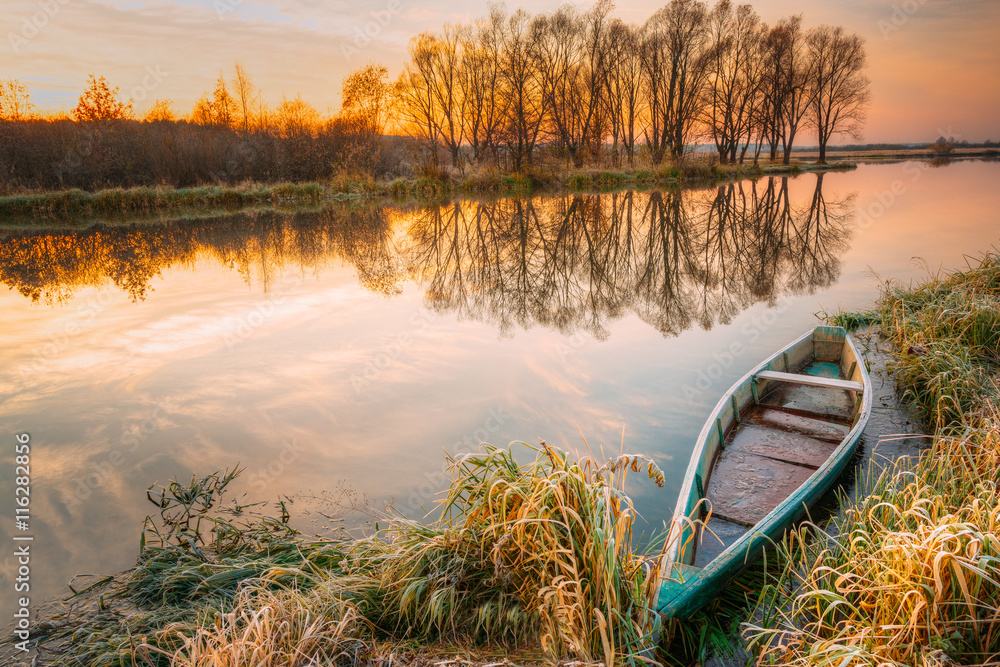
(910, 574)
(268, 629)
(914, 568)
(536, 555)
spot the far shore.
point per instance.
(41, 208)
(894, 154)
(136, 204)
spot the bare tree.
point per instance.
(245, 97)
(736, 77)
(415, 93)
(841, 90)
(431, 92)
(480, 82)
(523, 87)
(795, 81)
(624, 86)
(571, 52)
(769, 111)
(446, 64)
(675, 61)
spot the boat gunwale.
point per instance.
(778, 513)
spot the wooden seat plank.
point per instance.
(812, 380)
(818, 402)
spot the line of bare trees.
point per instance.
(572, 85)
(231, 135)
(590, 87)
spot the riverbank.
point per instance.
(215, 585)
(208, 580)
(107, 205)
(910, 572)
(899, 154)
(713, 634)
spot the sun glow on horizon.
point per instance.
(932, 68)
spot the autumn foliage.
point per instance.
(15, 101)
(230, 136)
(100, 102)
(512, 92)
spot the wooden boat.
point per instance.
(774, 444)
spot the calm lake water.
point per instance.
(335, 354)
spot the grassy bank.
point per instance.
(901, 153)
(536, 556)
(142, 201)
(118, 202)
(78, 223)
(910, 573)
(524, 564)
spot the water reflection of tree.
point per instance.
(51, 266)
(581, 261)
(574, 262)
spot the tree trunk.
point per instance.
(786, 158)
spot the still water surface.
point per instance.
(336, 353)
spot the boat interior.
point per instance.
(781, 426)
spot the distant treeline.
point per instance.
(513, 92)
(231, 136)
(577, 81)
(59, 154)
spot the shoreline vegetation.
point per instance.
(507, 98)
(44, 207)
(909, 573)
(536, 563)
(536, 558)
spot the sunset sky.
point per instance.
(933, 63)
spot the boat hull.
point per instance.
(687, 585)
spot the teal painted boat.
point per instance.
(773, 445)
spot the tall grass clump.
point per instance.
(538, 554)
(852, 321)
(909, 573)
(946, 336)
(559, 532)
(519, 554)
(268, 629)
(914, 569)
